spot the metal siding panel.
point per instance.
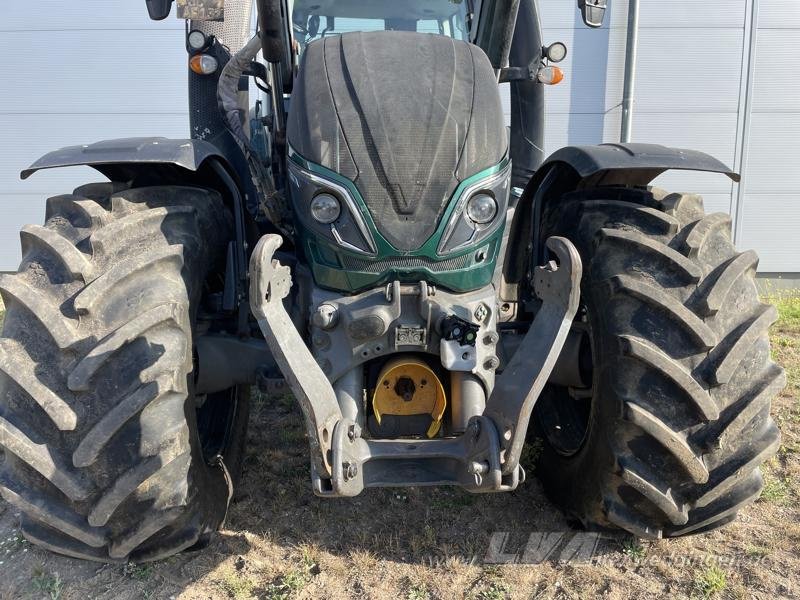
(565, 14)
(776, 86)
(779, 14)
(668, 76)
(652, 14)
(593, 71)
(770, 223)
(17, 211)
(579, 129)
(688, 14)
(772, 158)
(49, 15)
(94, 72)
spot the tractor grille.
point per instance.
(377, 267)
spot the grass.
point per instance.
(633, 547)
(776, 490)
(138, 572)
(288, 584)
(418, 591)
(785, 336)
(758, 551)
(48, 584)
(710, 582)
(788, 305)
(495, 590)
(294, 579)
(237, 585)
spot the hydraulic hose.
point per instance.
(228, 98)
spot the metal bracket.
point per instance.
(526, 73)
(270, 283)
(471, 460)
(557, 284)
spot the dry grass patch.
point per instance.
(282, 542)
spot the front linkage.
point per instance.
(485, 458)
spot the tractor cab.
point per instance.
(314, 20)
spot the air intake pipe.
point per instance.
(228, 98)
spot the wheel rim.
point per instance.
(563, 413)
(215, 421)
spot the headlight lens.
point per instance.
(197, 40)
(203, 64)
(556, 52)
(481, 208)
(325, 208)
(479, 211)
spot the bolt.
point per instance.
(350, 470)
(481, 312)
(326, 316)
(490, 338)
(353, 432)
(478, 467)
(491, 363)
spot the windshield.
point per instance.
(314, 19)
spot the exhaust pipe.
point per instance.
(271, 18)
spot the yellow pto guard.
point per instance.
(408, 387)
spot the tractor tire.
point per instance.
(99, 430)
(667, 433)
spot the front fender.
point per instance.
(576, 167)
(152, 159)
(624, 164)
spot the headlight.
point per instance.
(203, 64)
(481, 208)
(556, 52)
(325, 208)
(328, 208)
(197, 40)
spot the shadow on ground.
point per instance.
(275, 516)
(280, 541)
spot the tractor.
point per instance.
(371, 236)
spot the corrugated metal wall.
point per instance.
(700, 84)
(84, 71)
(769, 210)
(74, 73)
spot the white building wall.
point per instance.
(75, 73)
(769, 212)
(700, 84)
(83, 71)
